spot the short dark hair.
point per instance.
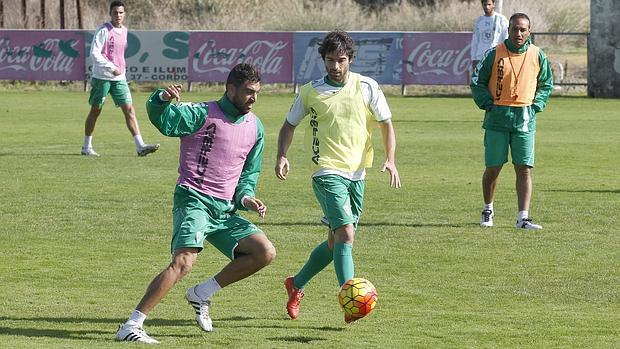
(241, 73)
(520, 15)
(337, 41)
(117, 3)
(482, 1)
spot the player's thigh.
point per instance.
(229, 232)
(119, 90)
(99, 89)
(190, 224)
(522, 147)
(356, 198)
(496, 144)
(333, 194)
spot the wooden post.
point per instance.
(24, 15)
(62, 14)
(1, 14)
(78, 5)
(43, 14)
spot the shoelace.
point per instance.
(486, 215)
(204, 311)
(525, 222)
(299, 294)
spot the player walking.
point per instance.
(108, 54)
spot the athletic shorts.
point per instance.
(197, 217)
(341, 199)
(497, 143)
(100, 89)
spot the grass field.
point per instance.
(82, 237)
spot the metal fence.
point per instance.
(568, 54)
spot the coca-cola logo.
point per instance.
(264, 54)
(50, 55)
(424, 59)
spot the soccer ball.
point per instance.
(357, 297)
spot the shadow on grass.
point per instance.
(296, 339)
(614, 191)
(379, 224)
(39, 154)
(111, 325)
(438, 121)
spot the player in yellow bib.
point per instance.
(338, 112)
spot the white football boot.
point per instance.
(147, 149)
(134, 333)
(89, 152)
(486, 219)
(526, 223)
(201, 307)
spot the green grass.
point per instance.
(82, 237)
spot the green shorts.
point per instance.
(341, 199)
(521, 144)
(197, 217)
(100, 89)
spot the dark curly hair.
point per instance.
(241, 73)
(339, 42)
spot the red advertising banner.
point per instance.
(213, 54)
(41, 55)
(436, 58)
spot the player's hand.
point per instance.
(394, 176)
(254, 204)
(117, 72)
(282, 167)
(172, 92)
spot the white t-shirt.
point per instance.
(373, 97)
(488, 32)
(102, 67)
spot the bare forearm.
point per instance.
(285, 138)
(389, 140)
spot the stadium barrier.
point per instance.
(391, 58)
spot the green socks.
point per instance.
(343, 262)
(320, 257)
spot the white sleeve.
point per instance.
(375, 99)
(95, 50)
(297, 112)
(473, 49)
(504, 34)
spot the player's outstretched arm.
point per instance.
(285, 139)
(171, 92)
(256, 205)
(389, 144)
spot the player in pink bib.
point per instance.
(219, 164)
(107, 51)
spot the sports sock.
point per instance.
(343, 262)
(136, 318)
(207, 289)
(139, 142)
(319, 258)
(522, 215)
(488, 206)
(88, 142)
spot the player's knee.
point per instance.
(523, 170)
(181, 268)
(267, 255)
(95, 112)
